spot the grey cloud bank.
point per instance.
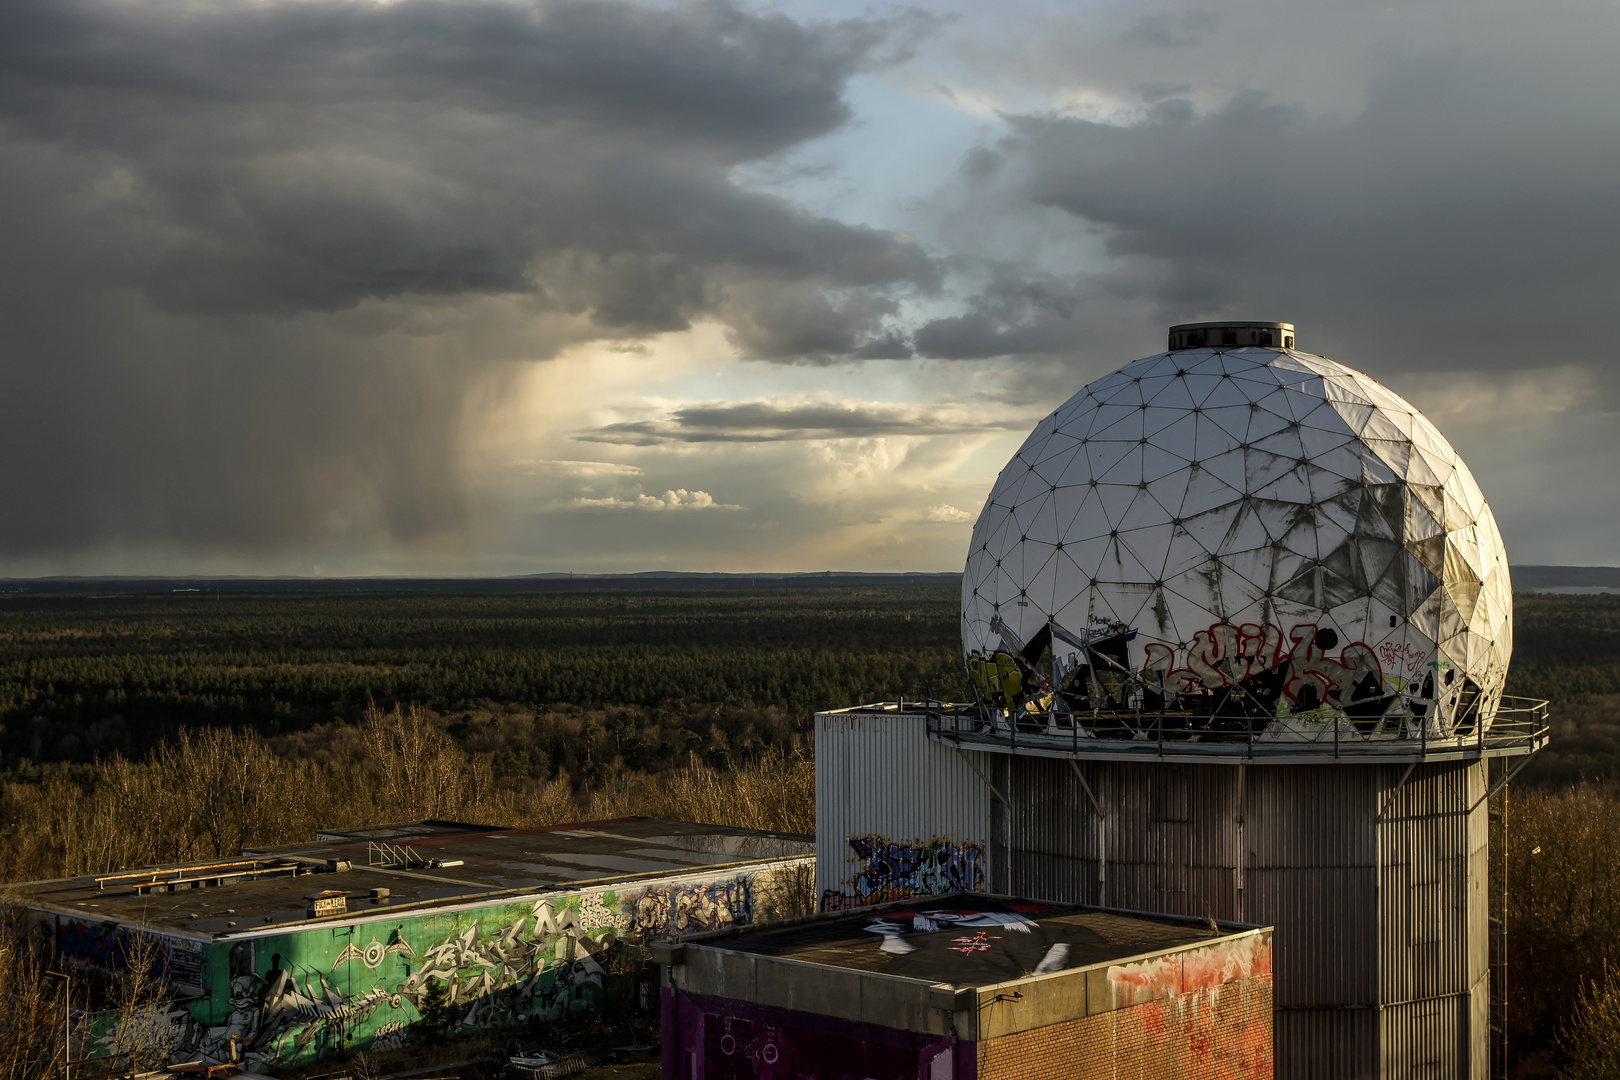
(259, 254)
(1466, 214)
(758, 421)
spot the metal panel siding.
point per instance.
(1431, 906)
(1434, 944)
(1171, 835)
(1369, 914)
(1479, 1028)
(1311, 869)
(1325, 952)
(1427, 1040)
(1304, 816)
(1337, 1044)
(1053, 853)
(1479, 880)
(878, 774)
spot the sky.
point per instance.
(487, 287)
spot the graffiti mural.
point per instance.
(1248, 677)
(1262, 671)
(302, 996)
(91, 944)
(833, 900)
(544, 963)
(900, 871)
(690, 909)
(109, 946)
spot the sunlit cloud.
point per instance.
(791, 421)
(585, 469)
(674, 499)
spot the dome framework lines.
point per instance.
(1242, 498)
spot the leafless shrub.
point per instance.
(209, 794)
(1590, 1037)
(1563, 908)
(141, 999)
(421, 772)
(787, 892)
(776, 794)
(31, 1005)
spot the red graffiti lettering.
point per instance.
(1225, 654)
(1336, 679)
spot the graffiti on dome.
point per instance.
(1396, 656)
(1298, 671)
(1235, 676)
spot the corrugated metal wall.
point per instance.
(878, 774)
(1434, 974)
(1381, 926)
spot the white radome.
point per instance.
(1252, 538)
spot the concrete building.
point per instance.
(970, 987)
(303, 950)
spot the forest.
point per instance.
(82, 676)
(143, 728)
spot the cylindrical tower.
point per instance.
(1239, 621)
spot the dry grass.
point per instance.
(776, 794)
(209, 793)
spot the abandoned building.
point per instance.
(305, 950)
(970, 987)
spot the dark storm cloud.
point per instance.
(1466, 217)
(759, 421)
(1019, 312)
(257, 254)
(308, 155)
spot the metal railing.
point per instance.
(193, 875)
(1519, 726)
(385, 856)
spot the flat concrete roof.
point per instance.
(966, 965)
(970, 940)
(433, 863)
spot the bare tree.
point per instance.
(1590, 1036)
(142, 1001)
(421, 771)
(32, 1005)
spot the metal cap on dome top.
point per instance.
(1232, 335)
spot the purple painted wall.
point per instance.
(707, 1037)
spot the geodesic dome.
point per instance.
(1248, 538)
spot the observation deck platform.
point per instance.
(1518, 728)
